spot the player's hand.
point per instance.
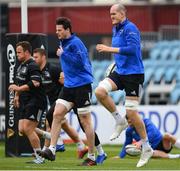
(102, 48)
(59, 51)
(138, 144)
(13, 87)
(16, 101)
(61, 78)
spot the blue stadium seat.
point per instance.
(175, 44)
(98, 74)
(148, 75)
(158, 75)
(178, 76)
(165, 53)
(118, 97)
(155, 52)
(175, 95)
(170, 74)
(175, 53)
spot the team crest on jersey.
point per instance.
(23, 70)
(47, 74)
(121, 31)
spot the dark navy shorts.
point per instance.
(131, 84)
(80, 96)
(161, 147)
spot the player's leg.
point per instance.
(81, 148)
(159, 154)
(104, 87)
(162, 154)
(61, 108)
(28, 124)
(101, 154)
(86, 121)
(49, 114)
(133, 86)
(29, 130)
(169, 140)
(83, 104)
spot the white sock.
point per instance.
(118, 118)
(80, 146)
(46, 135)
(44, 148)
(177, 143)
(60, 141)
(100, 150)
(145, 144)
(91, 156)
(173, 156)
(35, 152)
(53, 149)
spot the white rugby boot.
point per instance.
(145, 156)
(118, 129)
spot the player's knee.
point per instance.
(100, 93)
(102, 90)
(65, 103)
(131, 105)
(104, 87)
(167, 136)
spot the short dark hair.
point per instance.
(66, 22)
(40, 50)
(25, 45)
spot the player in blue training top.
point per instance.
(161, 144)
(77, 89)
(128, 76)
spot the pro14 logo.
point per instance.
(11, 57)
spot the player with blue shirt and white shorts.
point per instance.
(128, 76)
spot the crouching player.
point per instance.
(161, 144)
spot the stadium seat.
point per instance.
(148, 75)
(165, 53)
(158, 75)
(155, 52)
(175, 53)
(98, 74)
(175, 95)
(178, 76)
(170, 74)
(175, 44)
(118, 97)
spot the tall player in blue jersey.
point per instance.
(77, 89)
(161, 144)
(128, 76)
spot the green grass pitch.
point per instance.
(68, 161)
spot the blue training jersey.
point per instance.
(75, 63)
(154, 136)
(126, 36)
